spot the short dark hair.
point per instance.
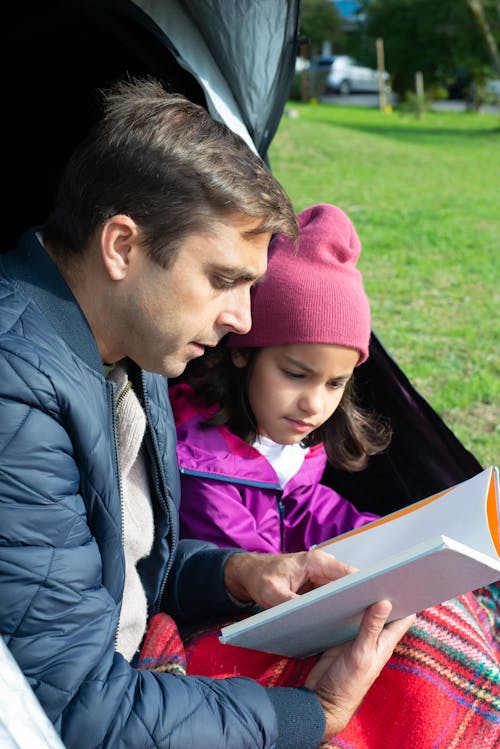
(165, 162)
(350, 436)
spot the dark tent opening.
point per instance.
(55, 56)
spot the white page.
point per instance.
(459, 513)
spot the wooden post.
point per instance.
(382, 99)
(419, 89)
(305, 75)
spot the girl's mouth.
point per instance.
(299, 426)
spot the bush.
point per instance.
(307, 85)
(414, 104)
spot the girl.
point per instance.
(258, 417)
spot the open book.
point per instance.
(417, 557)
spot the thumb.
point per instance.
(374, 620)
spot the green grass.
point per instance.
(425, 198)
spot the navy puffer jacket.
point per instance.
(61, 558)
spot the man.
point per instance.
(160, 228)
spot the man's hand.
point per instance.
(269, 579)
(343, 674)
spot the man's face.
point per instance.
(171, 315)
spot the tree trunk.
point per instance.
(477, 9)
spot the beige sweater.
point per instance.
(138, 524)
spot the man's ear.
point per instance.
(118, 237)
(240, 357)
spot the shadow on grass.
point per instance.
(414, 133)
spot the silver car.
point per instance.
(345, 76)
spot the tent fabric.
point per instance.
(255, 44)
(23, 723)
(242, 53)
(187, 43)
(424, 457)
(55, 55)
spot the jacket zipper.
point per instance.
(115, 402)
(281, 511)
(162, 492)
(122, 395)
(229, 478)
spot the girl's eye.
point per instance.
(293, 375)
(336, 384)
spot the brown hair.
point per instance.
(165, 162)
(350, 436)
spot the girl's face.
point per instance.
(293, 389)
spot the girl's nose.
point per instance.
(310, 401)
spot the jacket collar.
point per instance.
(32, 268)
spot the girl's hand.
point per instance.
(269, 579)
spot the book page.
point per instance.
(468, 513)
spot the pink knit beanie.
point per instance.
(313, 294)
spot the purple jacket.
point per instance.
(231, 494)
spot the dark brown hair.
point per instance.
(350, 436)
(165, 162)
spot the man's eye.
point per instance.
(219, 282)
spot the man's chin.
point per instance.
(173, 366)
(174, 369)
(168, 369)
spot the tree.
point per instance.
(438, 38)
(480, 13)
(320, 22)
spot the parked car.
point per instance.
(345, 76)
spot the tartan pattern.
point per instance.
(439, 690)
(163, 649)
(444, 676)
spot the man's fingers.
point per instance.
(374, 619)
(399, 627)
(342, 676)
(374, 625)
(328, 563)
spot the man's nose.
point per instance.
(236, 316)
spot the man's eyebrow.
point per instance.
(302, 365)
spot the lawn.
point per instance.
(425, 198)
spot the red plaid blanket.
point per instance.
(440, 689)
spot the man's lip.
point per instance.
(199, 346)
(202, 346)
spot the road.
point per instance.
(371, 100)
